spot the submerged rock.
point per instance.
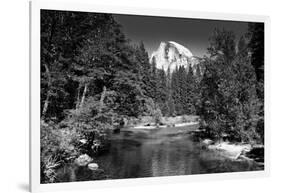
(93, 166)
(83, 160)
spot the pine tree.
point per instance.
(161, 96)
(145, 70)
(175, 89)
(256, 44)
(170, 101)
(190, 92)
(222, 45)
(229, 102)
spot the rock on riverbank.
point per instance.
(93, 166)
(235, 150)
(83, 160)
(239, 151)
(232, 151)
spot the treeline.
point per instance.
(177, 92)
(84, 55)
(86, 59)
(231, 96)
(92, 77)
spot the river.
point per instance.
(149, 153)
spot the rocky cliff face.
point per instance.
(171, 55)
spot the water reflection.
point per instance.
(165, 152)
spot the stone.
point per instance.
(232, 151)
(93, 166)
(83, 141)
(207, 141)
(83, 160)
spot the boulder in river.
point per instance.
(83, 160)
(93, 166)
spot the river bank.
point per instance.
(228, 147)
(148, 122)
(104, 159)
(150, 153)
(236, 151)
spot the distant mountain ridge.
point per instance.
(172, 55)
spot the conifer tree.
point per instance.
(229, 102)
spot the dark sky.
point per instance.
(191, 33)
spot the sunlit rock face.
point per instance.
(171, 55)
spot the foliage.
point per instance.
(256, 44)
(94, 119)
(229, 102)
(184, 93)
(62, 35)
(222, 45)
(92, 77)
(58, 145)
(48, 166)
(256, 47)
(152, 109)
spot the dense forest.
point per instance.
(93, 78)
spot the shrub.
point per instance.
(48, 166)
(58, 145)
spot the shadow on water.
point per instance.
(149, 153)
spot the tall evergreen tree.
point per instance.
(222, 45)
(256, 44)
(161, 96)
(145, 70)
(190, 92)
(229, 101)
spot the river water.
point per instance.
(150, 153)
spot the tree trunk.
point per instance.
(78, 96)
(102, 98)
(46, 104)
(47, 100)
(84, 95)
